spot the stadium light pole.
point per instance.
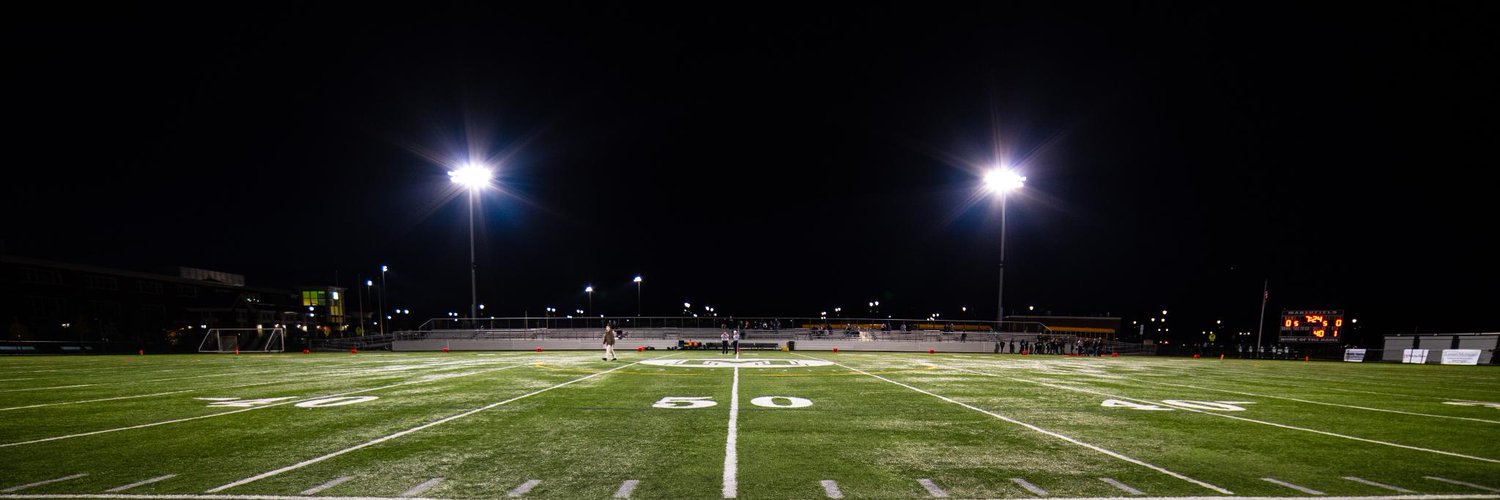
(589, 289)
(383, 269)
(637, 295)
(474, 177)
(1002, 181)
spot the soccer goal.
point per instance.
(244, 339)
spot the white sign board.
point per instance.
(1414, 356)
(1461, 356)
(1354, 355)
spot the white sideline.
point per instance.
(140, 483)
(123, 496)
(376, 441)
(418, 489)
(1122, 486)
(211, 415)
(39, 483)
(524, 488)
(731, 464)
(1303, 489)
(626, 487)
(1461, 483)
(337, 481)
(1043, 431)
(1251, 420)
(1397, 489)
(1034, 489)
(932, 488)
(1487, 421)
(831, 489)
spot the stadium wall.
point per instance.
(631, 344)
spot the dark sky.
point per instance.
(780, 159)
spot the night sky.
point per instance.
(780, 159)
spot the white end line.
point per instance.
(831, 489)
(426, 485)
(731, 464)
(1461, 483)
(626, 487)
(39, 483)
(1034, 489)
(1303, 489)
(141, 483)
(523, 488)
(1043, 431)
(1122, 486)
(1378, 485)
(316, 489)
(932, 488)
(376, 441)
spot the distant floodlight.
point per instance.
(384, 269)
(588, 289)
(471, 176)
(1001, 180)
(687, 305)
(369, 282)
(481, 307)
(637, 279)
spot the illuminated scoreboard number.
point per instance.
(1311, 325)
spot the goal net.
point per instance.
(244, 340)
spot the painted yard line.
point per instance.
(140, 483)
(15, 379)
(1251, 420)
(1329, 404)
(299, 497)
(731, 456)
(426, 485)
(626, 487)
(1122, 486)
(211, 415)
(1303, 489)
(932, 488)
(46, 388)
(1034, 489)
(1397, 489)
(1044, 431)
(831, 489)
(524, 488)
(96, 400)
(39, 483)
(376, 441)
(1461, 483)
(315, 489)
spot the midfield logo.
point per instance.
(737, 363)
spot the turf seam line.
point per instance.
(426, 485)
(1122, 486)
(1034, 489)
(731, 458)
(1461, 483)
(272, 405)
(39, 483)
(626, 487)
(1378, 485)
(46, 388)
(376, 441)
(1046, 432)
(335, 482)
(932, 488)
(1251, 420)
(140, 483)
(524, 488)
(1303, 489)
(831, 489)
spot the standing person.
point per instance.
(723, 341)
(736, 342)
(609, 343)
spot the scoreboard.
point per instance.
(1315, 326)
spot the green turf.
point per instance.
(870, 427)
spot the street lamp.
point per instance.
(638, 295)
(474, 177)
(589, 289)
(1002, 180)
(383, 269)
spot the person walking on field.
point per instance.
(609, 343)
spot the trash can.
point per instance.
(791, 345)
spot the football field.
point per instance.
(669, 424)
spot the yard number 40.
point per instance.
(681, 402)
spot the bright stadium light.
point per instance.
(1000, 180)
(474, 177)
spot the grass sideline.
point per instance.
(568, 425)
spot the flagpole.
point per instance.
(1265, 295)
